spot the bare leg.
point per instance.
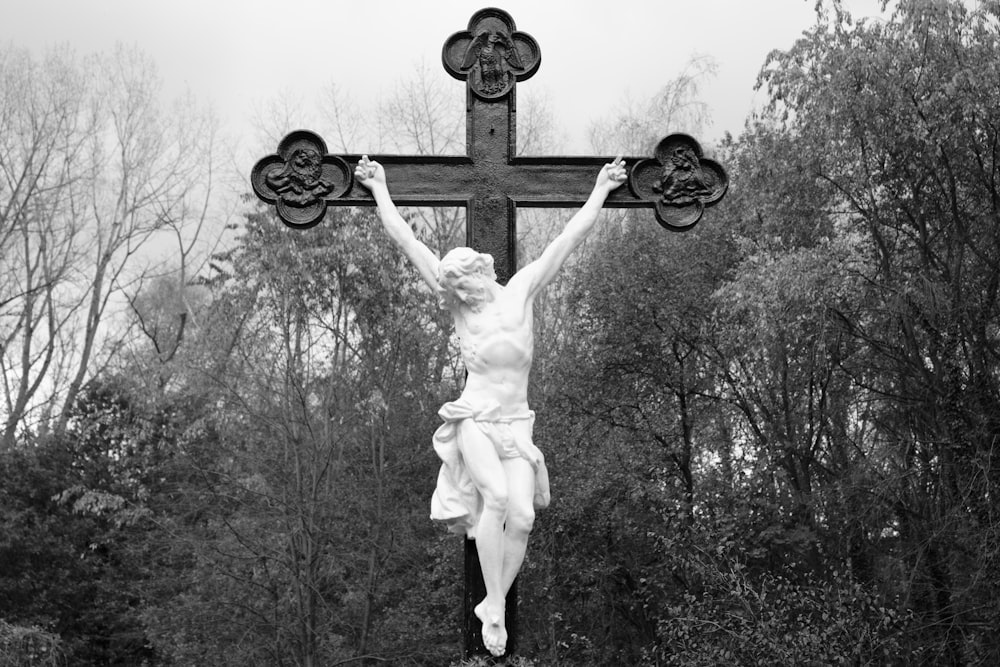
(488, 475)
(520, 517)
(491, 611)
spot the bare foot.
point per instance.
(494, 631)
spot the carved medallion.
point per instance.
(680, 182)
(491, 55)
(300, 178)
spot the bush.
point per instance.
(21, 646)
(771, 620)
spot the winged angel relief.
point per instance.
(491, 57)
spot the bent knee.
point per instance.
(520, 519)
(495, 500)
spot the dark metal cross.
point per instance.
(490, 180)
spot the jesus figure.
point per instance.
(492, 476)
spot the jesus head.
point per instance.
(463, 276)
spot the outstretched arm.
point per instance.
(372, 175)
(540, 273)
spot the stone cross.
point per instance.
(491, 181)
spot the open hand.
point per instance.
(369, 172)
(613, 174)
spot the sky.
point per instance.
(237, 54)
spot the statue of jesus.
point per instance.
(492, 477)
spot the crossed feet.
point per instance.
(494, 631)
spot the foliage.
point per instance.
(895, 125)
(310, 531)
(28, 646)
(729, 611)
(73, 507)
(480, 661)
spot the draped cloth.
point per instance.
(456, 500)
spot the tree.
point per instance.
(93, 170)
(302, 538)
(894, 123)
(46, 125)
(639, 125)
(75, 507)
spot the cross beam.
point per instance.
(491, 181)
(490, 191)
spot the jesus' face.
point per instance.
(472, 290)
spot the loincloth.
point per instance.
(456, 500)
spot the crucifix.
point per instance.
(301, 180)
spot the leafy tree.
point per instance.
(315, 520)
(75, 506)
(20, 646)
(895, 122)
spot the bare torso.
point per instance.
(497, 347)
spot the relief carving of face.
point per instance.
(307, 165)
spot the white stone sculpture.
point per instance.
(492, 476)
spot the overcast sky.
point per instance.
(238, 53)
